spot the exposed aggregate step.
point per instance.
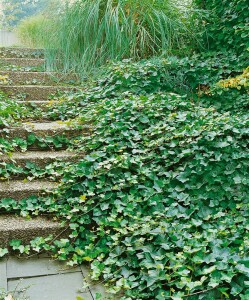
(20, 189)
(34, 92)
(37, 78)
(43, 129)
(21, 52)
(34, 86)
(22, 62)
(37, 103)
(40, 158)
(17, 228)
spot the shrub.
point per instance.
(239, 82)
(229, 94)
(182, 75)
(190, 75)
(32, 31)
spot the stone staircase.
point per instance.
(28, 82)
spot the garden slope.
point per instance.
(159, 203)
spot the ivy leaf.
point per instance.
(3, 252)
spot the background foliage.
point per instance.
(15, 10)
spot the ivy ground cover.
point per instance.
(159, 204)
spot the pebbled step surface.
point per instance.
(37, 103)
(36, 78)
(18, 189)
(17, 228)
(33, 92)
(41, 158)
(22, 62)
(35, 87)
(43, 129)
(21, 52)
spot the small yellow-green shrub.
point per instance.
(237, 82)
(4, 79)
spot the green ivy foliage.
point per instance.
(187, 76)
(183, 75)
(13, 295)
(11, 111)
(227, 99)
(159, 204)
(29, 172)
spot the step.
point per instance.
(42, 105)
(33, 92)
(22, 62)
(29, 78)
(21, 52)
(17, 228)
(40, 158)
(35, 78)
(43, 129)
(19, 189)
(36, 103)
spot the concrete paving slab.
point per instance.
(95, 287)
(41, 272)
(53, 287)
(3, 275)
(39, 266)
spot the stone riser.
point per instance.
(46, 129)
(21, 53)
(33, 92)
(36, 78)
(41, 104)
(22, 62)
(17, 228)
(18, 190)
(40, 158)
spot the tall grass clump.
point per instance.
(33, 30)
(88, 33)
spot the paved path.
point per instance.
(46, 279)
